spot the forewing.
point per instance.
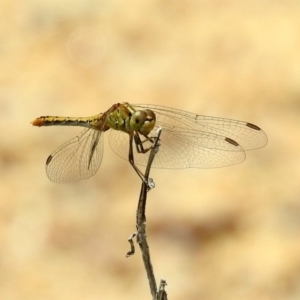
(79, 158)
(193, 141)
(247, 135)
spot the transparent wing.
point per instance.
(79, 158)
(194, 141)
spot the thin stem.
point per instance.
(141, 219)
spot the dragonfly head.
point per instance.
(143, 121)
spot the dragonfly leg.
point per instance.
(139, 143)
(131, 160)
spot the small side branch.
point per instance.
(132, 248)
(162, 294)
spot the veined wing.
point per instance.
(79, 158)
(247, 135)
(194, 141)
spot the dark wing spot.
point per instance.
(232, 142)
(253, 126)
(49, 159)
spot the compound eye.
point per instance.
(137, 120)
(140, 118)
(149, 122)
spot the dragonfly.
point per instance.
(187, 140)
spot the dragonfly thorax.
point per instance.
(142, 121)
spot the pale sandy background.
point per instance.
(231, 233)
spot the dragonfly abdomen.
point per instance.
(66, 121)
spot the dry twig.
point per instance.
(147, 185)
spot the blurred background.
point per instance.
(229, 233)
